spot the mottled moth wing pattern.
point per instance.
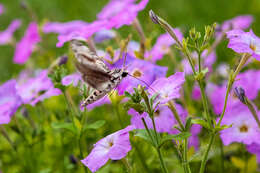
(95, 72)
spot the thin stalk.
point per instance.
(231, 80)
(140, 31)
(185, 156)
(141, 157)
(199, 59)
(118, 116)
(127, 165)
(175, 114)
(250, 106)
(161, 161)
(5, 134)
(221, 156)
(70, 109)
(205, 156)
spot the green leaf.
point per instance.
(180, 136)
(219, 128)
(127, 94)
(188, 123)
(142, 133)
(63, 125)
(201, 122)
(95, 125)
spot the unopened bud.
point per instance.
(240, 93)
(154, 17)
(63, 60)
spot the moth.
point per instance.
(95, 72)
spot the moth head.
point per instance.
(124, 74)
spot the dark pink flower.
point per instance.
(244, 127)
(7, 35)
(196, 92)
(9, 101)
(244, 42)
(26, 45)
(63, 28)
(167, 88)
(162, 46)
(37, 89)
(120, 12)
(71, 79)
(83, 33)
(114, 147)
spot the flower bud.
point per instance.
(240, 93)
(154, 17)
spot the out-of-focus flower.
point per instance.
(114, 147)
(103, 35)
(247, 81)
(244, 42)
(196, 92)
(37, 89)
(9, 101)
(193, 139)
(222, 70)
(206, 61)
(2, 9)
(83, 33)
(162, 46)
(63, 28)
(123, 13)
(244, 127)
(254, 149)
(167, 88)
(26, 45)
(144, 71)
(71, 79)
(7, 35)
(239, 22)
(99, 102)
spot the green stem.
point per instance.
(141, 157)
(70, 109)
(127, 165)
(161, 160)
(118, 116)
(5, 134)
(205, 156)
(221, 156)
(175, 114)
(250, 106)
(185, 157)
(199, 58)
(231, 80)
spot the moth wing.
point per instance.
(87, 57)
(95, 78)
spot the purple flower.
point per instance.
(244, 127)
(71, 79)
(25, 46)
(164, 119)
(206, 61)
(193, 139)
(254, 149)
(247, 81)
(196, 93)
(140, 72)
(7, 35)
(99, 102)
(2, 9)
(9, 101)
(114, 147)
(63, 28)
(244, 42)
(239, 22)
(103, 35)
(162, 46)
(167, 88)
(83, 33)
(37, 89)
(122, 13)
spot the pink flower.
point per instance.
(167, 88)
(83, 33)
(114, 147)
(9, 101)
(71, 79)
(25, 46)
(37, 89)
(196, 92)
(120, 12)
(103, 35)
(7, 35)
(239, 22)
(162, 46)
(244, 127)
(63, 28)
(244, 42)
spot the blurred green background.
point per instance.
(179, 13)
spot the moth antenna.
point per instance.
(143, 82)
